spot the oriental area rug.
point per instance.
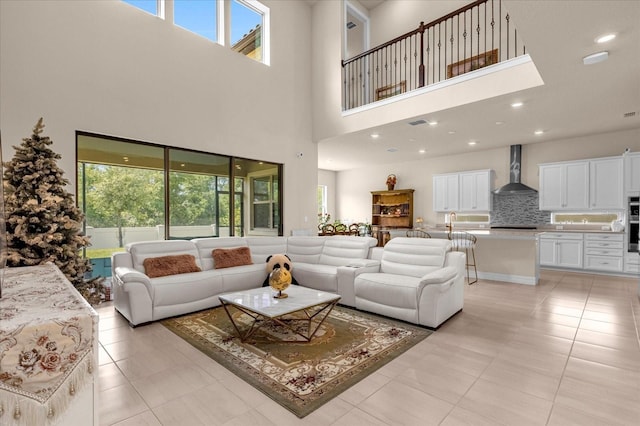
(300, 376)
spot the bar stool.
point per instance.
(416, 233)
(463, 241)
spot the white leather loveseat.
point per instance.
(420, 281)
(323, 263)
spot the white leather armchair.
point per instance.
(420, 281)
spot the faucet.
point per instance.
(449, 224)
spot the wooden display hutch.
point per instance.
(392, 209)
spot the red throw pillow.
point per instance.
(226, 258)
(170, 265)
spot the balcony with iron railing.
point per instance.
(473, 37)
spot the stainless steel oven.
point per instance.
(633, 219)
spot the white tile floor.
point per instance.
(565, 352)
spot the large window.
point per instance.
(263, 194)
(198, 194)
(244, 25)
(265, 203)
(131, 191)
(198, 16)
(121, 189)
(154, 7)
(248, 22)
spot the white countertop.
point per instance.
(513, 234)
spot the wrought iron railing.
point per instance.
(472, 37)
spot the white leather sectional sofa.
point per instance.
(323, 263)
(413, 279)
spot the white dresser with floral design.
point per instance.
(48, 350)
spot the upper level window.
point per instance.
(242, 24)
(249, 29)
(198, 16)
(151, 6)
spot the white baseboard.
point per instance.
(516, 279)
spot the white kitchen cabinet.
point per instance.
(632, 174)
(603, 252)
(605, 183)
(551, 195)
(547, 252)
(564, 186)
(561, 250)
(632, 263)
(462, 192)
(445, 192)
(475, 191)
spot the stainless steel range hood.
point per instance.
(515, 187)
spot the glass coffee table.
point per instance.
(303, 304)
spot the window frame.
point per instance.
(273, 201)
(264, 11)
(218, 21)
(160, 8)
(244, 226)
(323, 198)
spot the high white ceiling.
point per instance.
(575, 100)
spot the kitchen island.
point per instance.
(503, 255)
(513, 255)
(509, 255)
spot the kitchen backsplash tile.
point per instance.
(521, 209)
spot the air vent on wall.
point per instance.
(417, 122)
(350, 25)
(629, 114)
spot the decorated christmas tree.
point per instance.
(42, 220)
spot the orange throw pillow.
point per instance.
(170, 265)
(226, 258)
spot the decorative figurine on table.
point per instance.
(280, 278)
(391, 182)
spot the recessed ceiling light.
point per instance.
(605, 38)
(374, 136)
(451, 132)
(412, 140)
(422, 151)
(594, 58)
(472, 143)
(499, 123)
(516, 104)
(392, 149)
(433, 123)
(538, 132)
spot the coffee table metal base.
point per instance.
(314, 316)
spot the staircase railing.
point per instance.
(472, 37)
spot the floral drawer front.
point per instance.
(47, 333)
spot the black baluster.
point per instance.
(507, 19)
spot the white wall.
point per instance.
(353, 187)
(393, 18)
(109, 68)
